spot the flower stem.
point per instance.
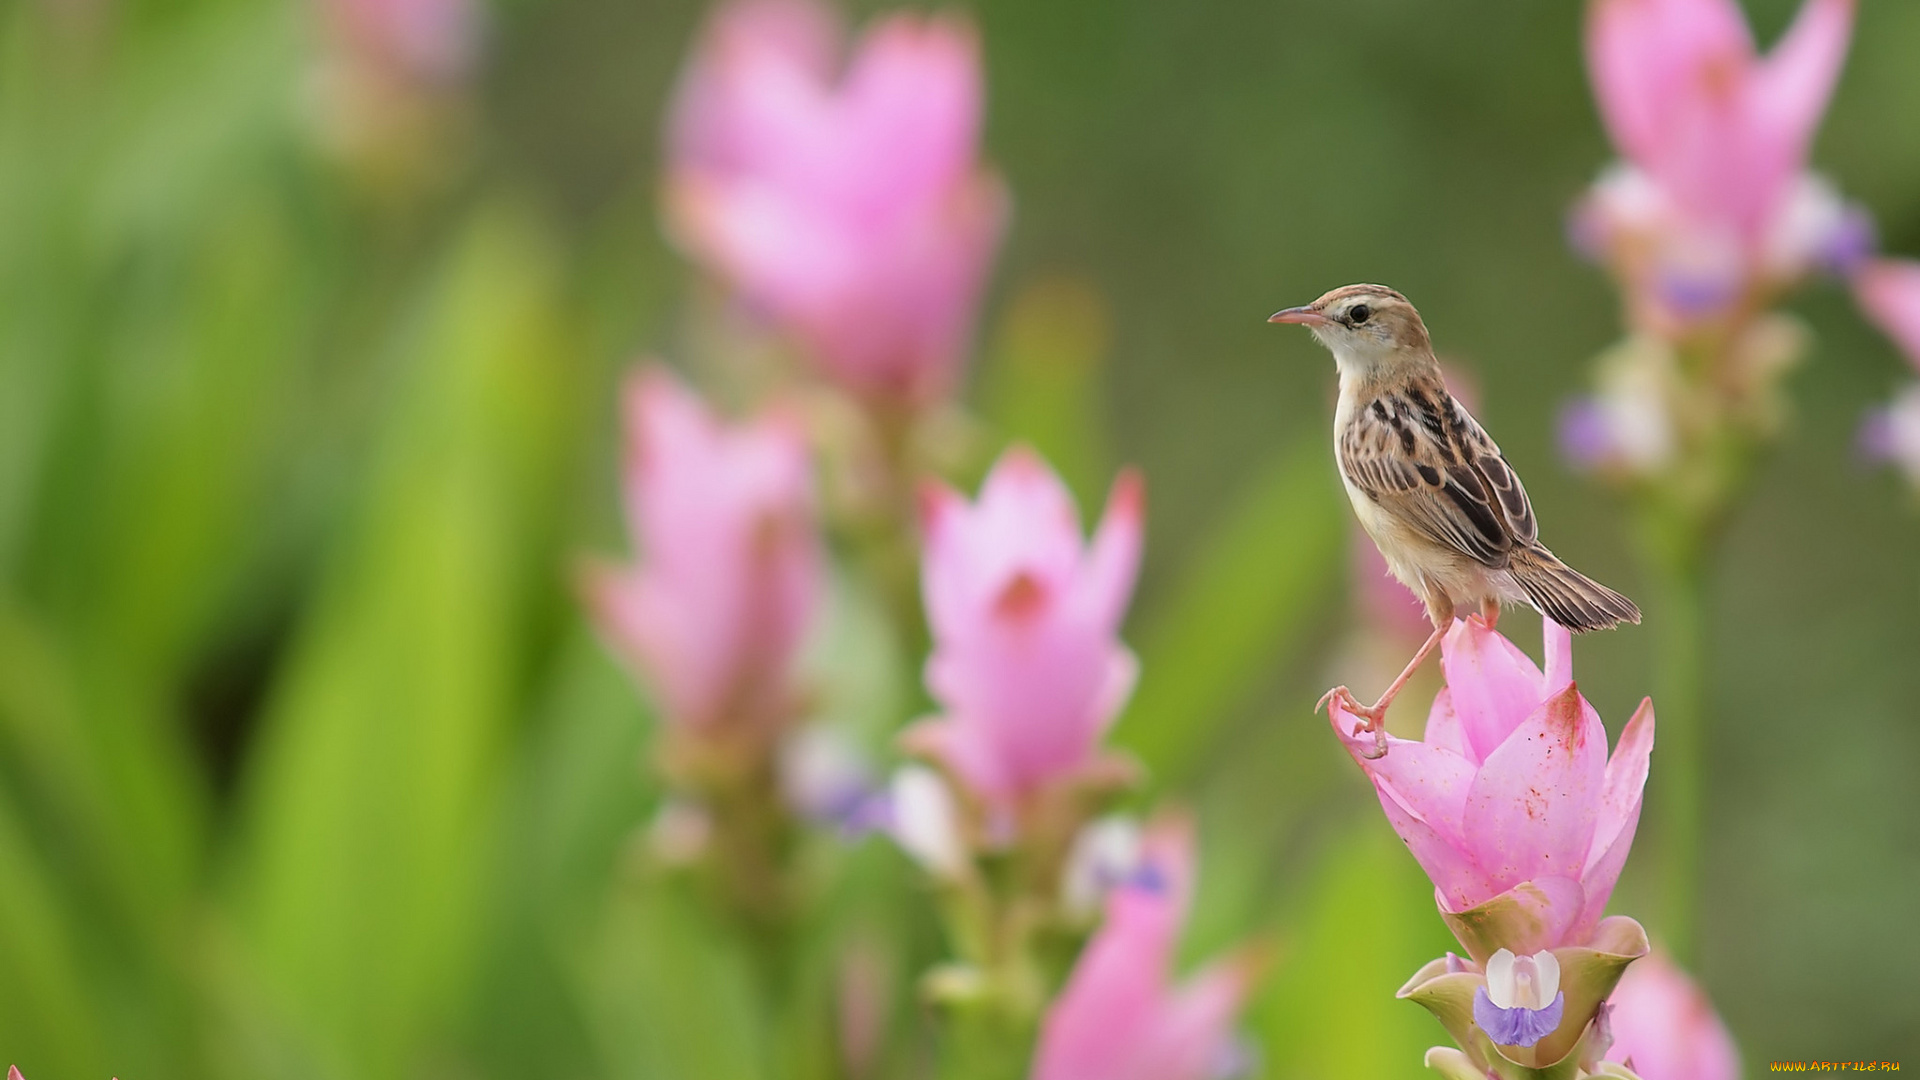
(1675, 546)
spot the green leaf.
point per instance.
(1369, 920)
(380, 762)
(675, 997)
(1043, 388)
(1247, 598)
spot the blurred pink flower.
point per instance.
(1119, 1016)
(1027, 663)
(730, 568)
(1664, 1028)
(431, 42)
(1891, 433)
(1386, 605)
(1511, 805)
(844, 200)
(1888, 290)
(1714, 200)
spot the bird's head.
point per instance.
(1370, 328)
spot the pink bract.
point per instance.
(1120, 1016)
(1722, 130)
(730, 569)
(1889, 292)
(429, 41)
(1666, 1029)
(843, 199)
(1511, 796)
(1027, 663)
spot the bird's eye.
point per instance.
(1358, 314)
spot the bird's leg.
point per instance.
(1374, 717)
(1490, 613)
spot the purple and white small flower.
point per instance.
(1891, 434)
(826, 779)
(1106, 853)
(922, 817)
(1521, 1002)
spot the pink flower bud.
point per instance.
(730, 568)
(844, 200)
(1510, 804)
(1027, 664)
(1120, 1017)
(1664, 1028)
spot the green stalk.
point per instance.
(1678, 576)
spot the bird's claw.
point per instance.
(1379, 749)
(1373, 718)
(1340, 694)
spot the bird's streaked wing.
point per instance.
(1417, 453)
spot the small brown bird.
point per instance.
(1430, 487)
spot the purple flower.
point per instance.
(1521, 1002)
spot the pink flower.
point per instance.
(1386, 605)
(1888, 290)
(1510, 804)
(845, 201)
(1714, 199)
(1664, 1028)
(432, 42)
(1027, 663)
(1120, 1017)
(730, 568)
(1891, 433)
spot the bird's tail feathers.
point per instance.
(1567, 596)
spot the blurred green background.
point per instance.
(309, 766)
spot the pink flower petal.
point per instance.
(1026, 663)
(1889, 292)
(1534, 804)
(1643, 56)
(1494, 686)
(1194, 1034)
(1797, 79)
(1667, 1028)
(843, 202)
(1626, 780)
(1114, 559)
(1118, 1018)
(1444, 730)
(1423, 791)
(730, 568)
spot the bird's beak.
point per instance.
(1305, 316)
